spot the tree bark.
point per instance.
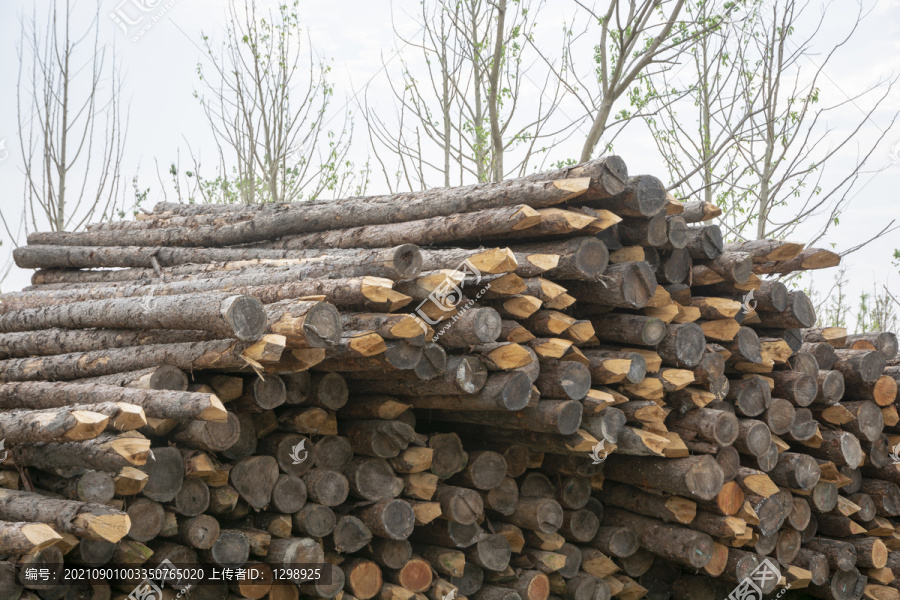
(624, 285)
(241, 317)
(695, 476)
(81, 519)
(160, 404)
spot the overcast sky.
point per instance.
(160, 78)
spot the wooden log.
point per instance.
(884, 342)
(18, 538)
(840, 554)
(885, 494)
(630, 329)
(750, 396)
(356, 292)
(503, 391)
(272, 223)
(867, 421)
(215, 354)
(625, 285)
(844, 585)
(48, 342)
(695, 476)
(859, 366)
(305, 324)
(671, 509)
(157, 403)
(579, 259)
(715, 426)
(391, 518)
(81, 519)
(677, 544)
(223, 314)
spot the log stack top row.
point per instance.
(566, 385)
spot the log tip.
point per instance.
(88, 425)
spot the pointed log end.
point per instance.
(108, 528)
(525, 218)
(129, 417)
(130, 481)
(135, 450)
(88, 425)
(214, 412)
(41, 535)
(576, 186)
(267, 349)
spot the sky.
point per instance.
(159, 59)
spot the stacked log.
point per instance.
(576, 390)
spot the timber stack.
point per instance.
(560, 386)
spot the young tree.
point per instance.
(267, 106)
(637, 40)
(762, 147)
(468, 97)
(72, 130)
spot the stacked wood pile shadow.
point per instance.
(558, 386)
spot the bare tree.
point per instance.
(637, 41)
(463, 101)
(268, 105)
(761, 145)
(72, 129)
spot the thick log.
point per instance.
(106, 452)
(714, 426)
(883, 341)
(25, 538)
(284, 219)
(695, 476)
(509, 391)
(683, 546)
(625, 285)
(674, 267)
(212, 436)
(668, 509)
(704, 242)
(885, 494)
(81, 519)
(630, 329)
(583, 258)
(47, 342)
(750, 396)
(219, 354)
(683, 345)
(156, 403)
(643, 232)
(814, 562)
(799, 313)
(362, 578)
(392, 518)
(316, 520)
(859, 366)
(241, 317)
(374, 293)
(867, 420)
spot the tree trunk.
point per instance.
(284, 220)
(241, 317)
(81, 519)
(695, 476)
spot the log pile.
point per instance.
(565, 385)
